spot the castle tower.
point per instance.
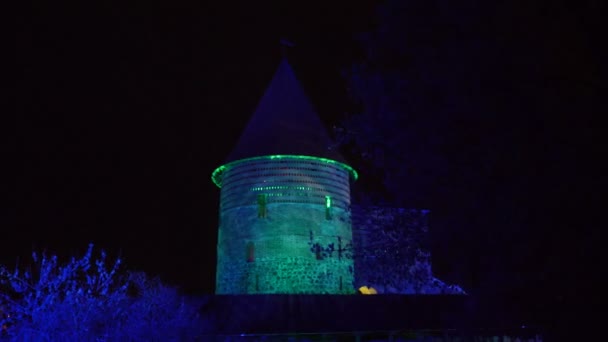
(284, 221)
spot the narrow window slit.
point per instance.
(262, 200)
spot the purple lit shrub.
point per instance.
(88, 299)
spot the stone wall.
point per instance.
(294, 249)
(392, 252)
(284, 226)
(287, 226)
(287, 275)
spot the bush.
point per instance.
(88, 300)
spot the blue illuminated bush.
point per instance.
(90, 299)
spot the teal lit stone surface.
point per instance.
(276, 253)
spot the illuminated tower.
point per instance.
(285, 222)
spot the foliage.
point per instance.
(419, 113)
(457, 114)
(88, 299)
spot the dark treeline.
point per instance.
(483, 113)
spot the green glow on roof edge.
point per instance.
(216, 176)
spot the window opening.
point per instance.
(328, 213)
(262, 200)
(250, 252)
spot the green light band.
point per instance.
(282, 187)
(216, 176)
(327, 202)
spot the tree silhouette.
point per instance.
(463, 109)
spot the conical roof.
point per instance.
(285, 123)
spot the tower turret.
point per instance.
(285, 222)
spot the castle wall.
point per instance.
(392, 251)
(285, 228)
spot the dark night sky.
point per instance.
(124, 111)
